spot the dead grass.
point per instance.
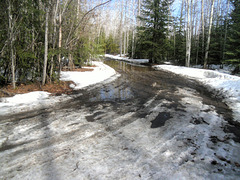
(56, 88)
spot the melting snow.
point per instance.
(41, 99)
(225, 84)
(64, 145)
(83, 79)
(136, 61)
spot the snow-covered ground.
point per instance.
(136, 61)
(84, 79)
(223, 84)
(41, 99)
(225, 68)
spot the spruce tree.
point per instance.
(153, 42)
(233, 52)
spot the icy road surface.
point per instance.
(144, 125)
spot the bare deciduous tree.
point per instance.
(45, 47)
(209, 36)
(188, 36)
(12, 38)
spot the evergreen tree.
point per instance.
(111, 46)
(233, 52)
(153, 42)
(215, 52)
(180, 44)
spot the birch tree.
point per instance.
(120, 29)
(54, 38)
(188, 36)
(45, 47)
(11, 34)
(209, 35)
(203, 29)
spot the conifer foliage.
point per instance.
(233, 54)
(152, 40)
(38, 37)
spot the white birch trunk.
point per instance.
(121, 43)
(188, 40)
(203, 29)
(209, 36)
(11, 39)
(124, 47)
(54, 37)
(197, 45)
(181, 16)
(133, 43)
(139, 12)
(127, 40)
(45, 49)
(60, 42)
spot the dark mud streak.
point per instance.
(6, 146)
(160, 120)
(48, 153)
(234, 128)
(143, 78)
(92, 118)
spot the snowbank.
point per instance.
(29, 101)
(39, 99)
(225, 68)
(228, 85)
(83, 79)
(136, 61)
(27, 98)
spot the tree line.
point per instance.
(38, 36)
(190, 33)
(203, 32)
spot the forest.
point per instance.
(39, 37)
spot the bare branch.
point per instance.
(80, 22)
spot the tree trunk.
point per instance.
(127, 40)
(139, 12)
(181, 16)
(54, 38)
(218, 12)
(188, 37)
(124, 49)
(197, 31)
(174, 43)
(45, 49)
(70, 58)
(60, 43)
(203, 30)
(133, 42)
(11, 39)
(191, 31)
(121, 43)
(209, 36)
(197, 45)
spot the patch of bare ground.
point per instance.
(55, 88)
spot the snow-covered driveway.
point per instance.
(144, 125)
